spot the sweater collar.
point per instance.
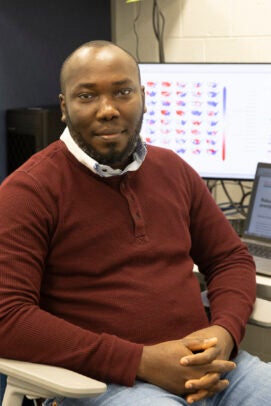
(103, 170)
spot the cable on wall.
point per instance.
(135, 29)
(158, 23)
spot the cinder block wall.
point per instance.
(197, 30)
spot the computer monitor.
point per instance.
(216, 116)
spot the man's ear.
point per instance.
(143, 98)
(63, 108)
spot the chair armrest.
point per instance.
(39, 380)
(261, 315)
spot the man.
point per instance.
(99, 235)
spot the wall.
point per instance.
(202, 31)
(198, 30)
(35, 38)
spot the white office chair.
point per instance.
(44, 381)
(261, 315)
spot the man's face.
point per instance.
(103, 104)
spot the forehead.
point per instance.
(100, 65)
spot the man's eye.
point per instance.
(85, 96)
(125, 92)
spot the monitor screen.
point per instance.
(216, 116)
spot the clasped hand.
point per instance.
(192, 366)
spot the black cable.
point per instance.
(245, 195)
(241, 187)
(158, 22)
(238, 206)
(211, 184)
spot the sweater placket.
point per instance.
(135, 210)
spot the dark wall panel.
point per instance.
(35, 38)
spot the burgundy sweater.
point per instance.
(92, 268)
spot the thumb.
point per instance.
(198, 343)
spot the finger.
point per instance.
(206, 393)
(221, 366)
(196, 397)
(200, 358)
(221, 385)
(198, 343)
(205, 382)
(218, 366)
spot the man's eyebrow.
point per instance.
(87, 85)
(90, 85)
(123, 82)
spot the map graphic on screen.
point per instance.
(217, 117)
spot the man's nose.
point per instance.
(107, 109)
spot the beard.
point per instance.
(112, 156)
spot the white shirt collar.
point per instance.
(103, 170)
